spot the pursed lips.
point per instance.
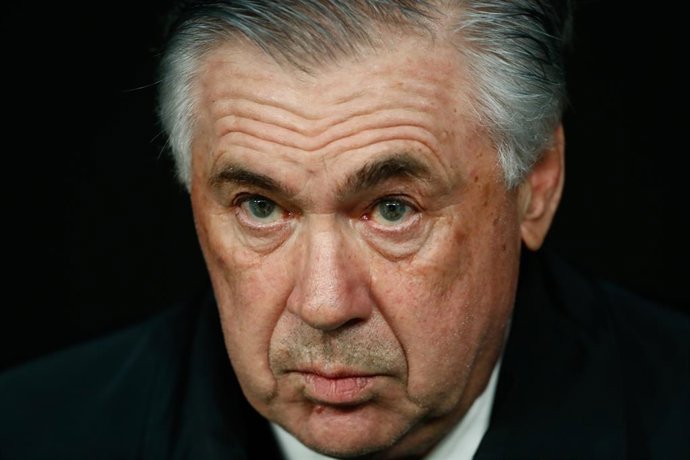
(340, 388)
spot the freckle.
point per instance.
(476, 178)
(503, 247)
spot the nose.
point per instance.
(331, 287)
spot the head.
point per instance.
(363, 177)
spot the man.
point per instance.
(371, 182)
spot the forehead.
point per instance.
(411, 56)
(415, 93)
(416, 66)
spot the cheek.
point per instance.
(250, 290)
(450, 303)
(426, 304)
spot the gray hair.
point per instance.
(513, 48)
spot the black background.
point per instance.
(99, 234)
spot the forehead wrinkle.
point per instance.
(333, 115)
(311, 106)
(349, 132)
(234, 99)
(413, 117)
(271, 90)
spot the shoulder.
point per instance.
(96, 394)
(653, 343)
(638, 324)
(596, 370)
(648, 348)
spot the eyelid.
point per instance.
(403, 225)
(244, 196)
(254, 224)
(407, 201)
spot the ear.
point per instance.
(540, 192)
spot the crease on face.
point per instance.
(316, 113)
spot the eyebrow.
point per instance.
(236, 174)
(396, 166)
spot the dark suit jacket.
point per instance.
(590, 372)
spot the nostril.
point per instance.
(349, 324)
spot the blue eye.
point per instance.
(262, 209)
(391, 211)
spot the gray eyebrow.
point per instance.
(396, 166)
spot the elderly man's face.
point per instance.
(362, 247)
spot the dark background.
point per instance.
(99, 234)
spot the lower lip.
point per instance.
(338, 390)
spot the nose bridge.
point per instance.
(330, 282)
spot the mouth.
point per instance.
(338, 389)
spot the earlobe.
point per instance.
(540, 193)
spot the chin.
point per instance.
(350, 432)
(370, 449)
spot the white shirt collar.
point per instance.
(460, 444)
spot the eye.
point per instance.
(260, 209)
(391, 211)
